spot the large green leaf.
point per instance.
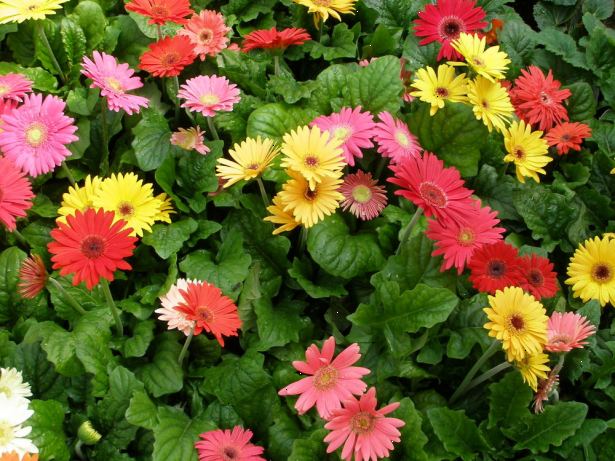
(168, 239)
(141, 411)
(279, 325)
(151, 141)
(582, 102)
(413, 439)
(508, 401)
(10, 261)
(48, 430)
(322, 286)
(466, 327)
(457, 432)
(397, 13)
(92, 20)
(340, 45)
(175, 435)
(563, 45)
(377, 87)
(276, 119)
(163, 375)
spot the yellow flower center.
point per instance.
(465, 237)
(311, 161)
(401, 138)
(125, 209)
(4, 89)
(362, 423)
(114, 83)
(205, 314)
(36, 134)
(361, 193)
(325, 378)
(209, 99)
(6, 433)
(342, 133)
(6, 390)
(602, 273)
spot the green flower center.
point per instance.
(361, 193)
(36, 134)
(209, 99)
(402, 138)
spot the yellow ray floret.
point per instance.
(79, 198)
(24, 10)
(490, 103)
(527, 149)
(250, 159)
(591, 270)
(322, 9)
(491, 63)
(436, 89)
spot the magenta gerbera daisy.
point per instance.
(209, 94)
(363, 196)
(351, 126)
(226, 445)
(395, 139)
(207, 32)
(14, 86)
(35, 134)
(15, 193)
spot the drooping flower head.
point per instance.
(490, 103)
(444, 21)
(91, 246)
(527, 150)
(12, 385)
(567, 136)
(394, 139)
(15, 194)
(226, 445)
(161, 11)
(32, 278)
(532, 367)
(24, 10)
(539, 279)
(352, 128)
(114, 80)
(274, 39)
(365, 433)
(207, 32)
(323, 9)
(209, 94)
(170, 302)
(494, 267)
(567, 331)
(278, 216)
(363, 195)
(14, 87)
(330, 380)
(591, 270)
(35, 134)
(15, 413)
(168, 57)
(250, 159)
(545, 387)
(491, 63)
(436, 89)
(190, 139)
(79, 197)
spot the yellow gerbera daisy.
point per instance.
(131, 200)
(279, 216)
(613, 171)
(251, 157)
(533, 367)
(323, 8)
(435, 89)
(491, 63)
(518, 320)
(592, 270)
(79, 198)
(527, 149)
(490, 102)
(309, 206)
(22, 10)
(165, 209)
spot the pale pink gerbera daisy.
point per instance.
(362, 194)
(168, 312)
(331, 380)
(226, 445)
(209, 94)
(190, 139)
(364, 431)
(114, 80)
(35, 135)
(14, 87)
(352, 127)
(394, 139)
(567, 331)
(207, 32)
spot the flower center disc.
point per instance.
(125, 209)
(311, 161)
(205, 314)
(169, 59)
(517, 322)
(206, 35)
(209, 99)
(602, 273)
(324, 3)
(496, 268)
(401, 138)
(441, 92)
(36, 134)
(535, 278)
(159, 10)
(4, 89)
(6, 433)
(362, 423)
(433, 194)
(342, 133)
(115, 84)
(465, 237)
(310, 195)
(519, 154)
(450, 27)
(230, 454)
(361, 193)
(325, 378)
(92, 246)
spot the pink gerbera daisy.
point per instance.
(226, 445)
(15, 193)
(331, 380)
(34, 135)
(394, 139)
(457, 240)
(364, 431)
(6, 107)
(362, 194)
(14, 87)
(444, 21)
(567, 331)
(351, 126)
(439, 191)
(209, 94)
(190, 139)
(114, 80)
(207, 32)
(169, 313)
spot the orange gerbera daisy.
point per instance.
(161, 11)
(566, 136)
(168, 57)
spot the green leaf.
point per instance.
(582, 103)
(398, 13)
(276, 119)
(73, 40)
(42, 53)
(38, 372)
(280, 325)
(332, 87)
(291, 91)
(377, 87)
(518, 41)
(196, 175)
(323, 286)
(175, 435)
(466, 325)
(92, 20)
(168, 239)
(420, 55)
(163, 375)
(10, 261)
(141, 411)
(508, 401)
(601, 51)
(152, 140)
(413, 439)
(81, 101)
(602, 9)
(142, 336)
(457, 432)
(60, 347)
(340, 45)
(589, 430)
(497, 191)
(47, 430)
(563, 45)
(309, 449)
(247, 10)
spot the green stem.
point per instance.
(104, 164)
(276, 64)
(177, 108)
(40, 26)
(560, 364)
(20, 238)
(78, 450)
(69, 175)
(114, 310)
(302, 239)
(212, 128)
(408, 230)
(182, 354)
(488, 374)
(261, 187)
(67, 296)
(380, 167)
(159, 31)
(492, 349)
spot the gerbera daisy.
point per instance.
(364, 431)
(491, 63)
(279, 216)
(35, 134)
(87, 434)
(209, 94)
(12, 385)
(114, 80)
(439, 191)
(532, 367)
(250, 159)
(165, 210)
(527, 149)
(14, 87)
(538, 99)
(310, 206)
(436, 89)
(519, 321)
(363, 196)
(130, 200)
(395, 139)
(591, 270)
(6, 107)
(24, 10)
(15, 194)
(161, 11)
(322, 9)
(313, 154)
(13, 456)
(457, 239)
(79, 197)
(168, 57)
(545, 387)
(226, 445)
(492, 35)
(32, 278)
(211, 311)
(14, 413)
(190, 139)
(330, 380)
(566, 136)
(352, 128)
(567, 331)
(539, 279)
(494, 267)
(207, 32)
(274, 39)
(444, 21)
(169, 313)
(490, 103)
(406, 80)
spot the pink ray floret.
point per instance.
(14, 87)
(209, 94)
(567, 331)
(395, 139)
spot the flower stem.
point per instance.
(40, 26)
(302, 239)
(159, 31)
(261, 187)
(182, 354)
(21, 240)
(381, 164)
(176, 88)
(212, 128)
(488, 374)
(408, 230)
(276, 64)
(104, 164)
(463, 387)
(67, 296)
(67, 172)
(114, 311)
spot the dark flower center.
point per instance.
(206, 35)
(602, 273)
(433, 194)
(517, 322)
(442, 92)
(535, 278)
(362, 423)
(170, 59)
(311, 161)
(93, 246)
(230, 453)
(451, 27)
(204, 314)
(310, 194)
(519, 153)
(496, 268)
(545, 98)
(125, 209)
(565, 137)
(159, 10)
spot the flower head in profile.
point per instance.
(91, 246)
(436, 89)
(250, 159)
(14, 87)
(363, 195)
(527, 150)
(323, 9)
(494, 267)
(209, 94)
(170, 302)
(227, 445)
(15, 194)
(15, 413)
(168, 57)
(266, 39)
(444, 21)
(165, 209)
(532, 368)
(278, 216)
(567, 331)
(491, 63)
(365, 433)
(539, 279)
(161, 11)
(207, 32)
(24, 10)
(544, 390)
(329, 380)
(33, 278)
(394, 139)
(591, 270)
(190, 139)
(568, 136)
(12, 385)
(490, 103)
(34, 135)
(79, 197)
(114, 80)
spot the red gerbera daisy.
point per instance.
(211, 311)
(439, 191)
(495, 267)
(539, 279)
(91, 246)
(566, 136)
(15, 193)
(32, 277)
(538, 99)
(272, 38)
(444, 21)
(168, 57)
(161, 11)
